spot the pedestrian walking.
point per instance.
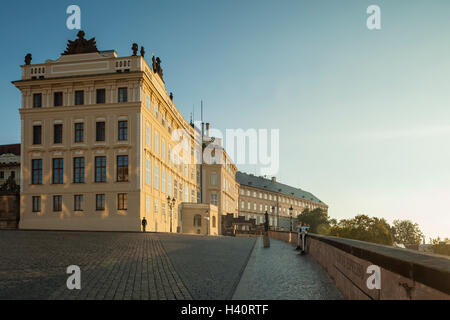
(144, 224)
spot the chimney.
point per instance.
(274, 179)
(207, 129)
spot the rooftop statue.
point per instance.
(157, 66)
(28, 59)
(81, 45)
(142, 51)
(135, 49)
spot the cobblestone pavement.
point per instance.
(120, 265)
(210, 267)
(279, 273)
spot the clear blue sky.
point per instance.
(364, 115)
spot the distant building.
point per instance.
(258, 195)
(219, 186)
(10, 163)
(232, 226)
(9, 186)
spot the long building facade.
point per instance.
(283, 203)
(97, 149)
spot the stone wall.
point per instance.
(9, 211)
(404, 274)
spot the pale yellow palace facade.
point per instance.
(97, 151)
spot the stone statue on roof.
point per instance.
(81, 45)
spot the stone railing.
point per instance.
(363, 270)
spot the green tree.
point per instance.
(364, 228)
(317, 219)
(407, 232)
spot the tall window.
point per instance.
(36, 171)
(169, 184)
(175, 190)
(163, 148)
(186, 194)
(197, 220)
(163, 181)
(147, 203)
(78, 202)
(58, 99)
(122, 199)
(213, 179)
(100, 169)
(156, 142)
(37, 134)
(214, 221)
(147, 101)
(100, 202)
(148, 172)
(148, 136)
(123, 130)
(79, 98)
(37, 100)
(123, 94)
(79, 132)
(122, 168)
(57, 133)
(156, 206)
(58, 171)
(101, 96)
(36, 204)
(156, 184)
(57, 203)
(78, 170)
(100, 133)
(214, 199)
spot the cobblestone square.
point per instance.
(119, 266)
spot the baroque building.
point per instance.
(10, 163)
(97, 143)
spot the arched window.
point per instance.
(213, 221)
(197, 220)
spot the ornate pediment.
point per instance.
(81, 45)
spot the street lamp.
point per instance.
(171, 204)
(290, 213)
(275, 217)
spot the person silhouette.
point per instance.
(144, 224)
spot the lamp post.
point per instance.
(273, 211)
(290, 213)
(171, 204)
